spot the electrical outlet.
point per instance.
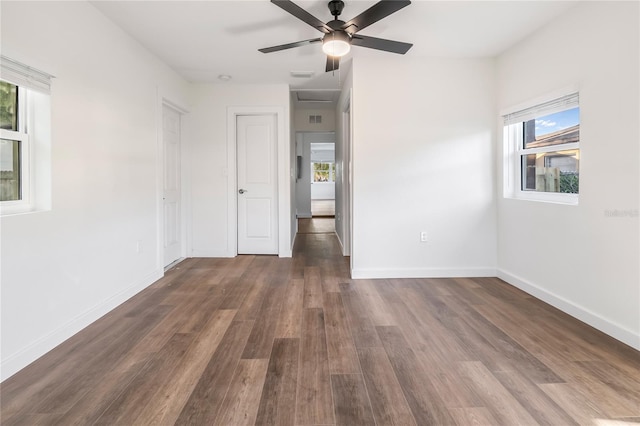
(423, 236)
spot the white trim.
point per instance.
(373, 273)
(549, 149)
(162, 100)
(546, 197)
(561, 103)
(593, 319)
(23, 75)
(25, 204)
(283, 161)
(18, 360)
(210, 253)
(542, 99)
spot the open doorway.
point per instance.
(315, 179)
(323, 179)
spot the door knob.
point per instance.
(242, 191)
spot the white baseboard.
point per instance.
(18, 360)
(375, 273)
(285, 253)
(595, 320)
(211, 253)
(340, 243)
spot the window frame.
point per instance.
(25, 203)
(514, 150)
(34, 133)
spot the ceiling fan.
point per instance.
(339, 35)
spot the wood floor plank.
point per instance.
(352, 406)
(205, 401)
(278, 399)
(312, 287)
(378, 309)
(104, 356)
(472, 416)
(389, 404)
(314, 403)
(517, 356)
(533, 399)
(422, 396)
(330, 275)
(343, 358)
(290, 317)
(240, 406)
(263, 332)
(425, 332)
(362, 329)
(130, 402)
(615, 400)
(498, 400)
(573, 401)
(257, 279)
(169, 400)
(48, 374)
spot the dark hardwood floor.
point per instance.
(262, 340)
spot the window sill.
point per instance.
(545, 197)
(14, 209)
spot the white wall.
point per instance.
(62, 269)
(302, 124)
(576, 257)
(208, 168)
(423, 160)
(323, 191)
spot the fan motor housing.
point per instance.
(335, 7)
(336, 24)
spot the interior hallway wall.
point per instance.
(423, 161)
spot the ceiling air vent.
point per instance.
(302, 74)
(315, 119)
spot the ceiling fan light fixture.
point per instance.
(336, 44)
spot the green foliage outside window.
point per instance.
(569, 182)
(8, 106)
(324, 172)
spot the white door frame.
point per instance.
(285, 177)
(347, 178)
(162, 102)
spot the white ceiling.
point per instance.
(204, 39)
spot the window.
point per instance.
(542, 151)
(14, 177)
(323, 172)
(24, 138)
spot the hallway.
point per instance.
(264, 340)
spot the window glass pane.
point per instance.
(10, 170)
(8, 106)
(321, 176)
(556, 171)
(553, 129)
(323, 172)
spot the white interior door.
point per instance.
(171, 194)
(257, 184)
